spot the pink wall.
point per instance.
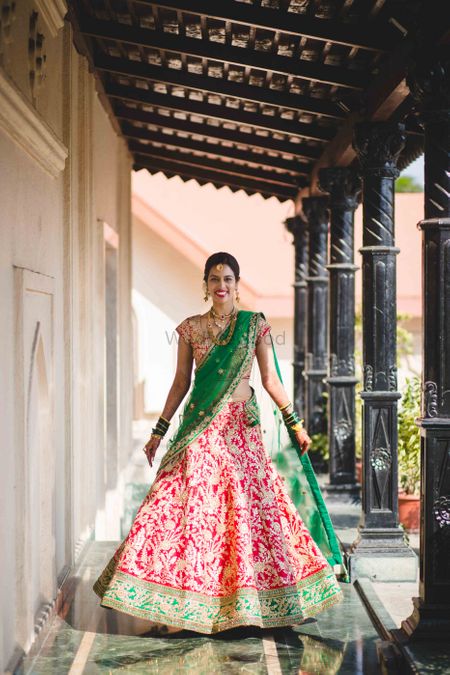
(200, 220)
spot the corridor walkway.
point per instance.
(86, 638)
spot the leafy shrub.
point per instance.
(409, 438)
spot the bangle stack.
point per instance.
(161, 427)
(291, 418)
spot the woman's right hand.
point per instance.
(151, 448)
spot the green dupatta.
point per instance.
(216, 378)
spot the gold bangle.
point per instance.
(297, 426)
(163, 418)
(283, 407)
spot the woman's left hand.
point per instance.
(303, 440)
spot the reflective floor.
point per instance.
(86, 638)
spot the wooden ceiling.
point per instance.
(253, 94)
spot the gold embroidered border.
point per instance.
(207, 614)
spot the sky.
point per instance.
(415, 170)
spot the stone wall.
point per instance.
(65, 277)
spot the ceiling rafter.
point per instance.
(250, 140)
(214, 150)
(168, 42)
(216, 177)
(270, 123)
(213, 85)
(362, 36)
(226, 168)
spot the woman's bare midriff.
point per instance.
(243, 391)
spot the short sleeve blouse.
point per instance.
(263, 329)
(184, 329)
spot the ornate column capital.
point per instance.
(316, 212)
(296, 225)
(378, 146)
(428, 80)
(343, 185)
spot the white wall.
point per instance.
(167, 288)
(64, 173)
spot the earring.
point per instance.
(205, 290)
(237, 296)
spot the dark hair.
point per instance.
(225, 259)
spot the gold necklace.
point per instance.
(220, 319)
(226, 340)
(222, 316)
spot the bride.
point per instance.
(217, 541)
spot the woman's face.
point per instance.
(221, 283)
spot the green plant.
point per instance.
(407, 184)
(319, 441)
(319, 444)
(409, 438)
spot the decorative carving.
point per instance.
(392, 378)
(430, 391)
(428, 79)
(368, 377)
(37, 57)
(7, 18)
(342, 431)
(343, 185)
(381, 459)
(19, 119)
(441, 511)
(378, 146)
(316, 212)
(342, 366)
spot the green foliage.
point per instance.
(407, 184)
(409, 438)
(319, 442)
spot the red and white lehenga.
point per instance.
(218, 542)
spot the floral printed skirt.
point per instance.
(218, 543)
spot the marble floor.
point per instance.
(86, 638)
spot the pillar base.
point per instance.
(427, 622)
(347, 492)
(382, 555)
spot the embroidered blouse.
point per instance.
(192, 332)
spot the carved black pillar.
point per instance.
(429, 82)
(316, 212)
(343, 185)
(379, 549)
(298, 228)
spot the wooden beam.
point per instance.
(214, 85)
(250, 140)
(312, 132)
(387, 92)
(360, 36)
(215, 150)
(143, 37)
(226, 168)
(216, 177)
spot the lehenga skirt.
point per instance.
(218, 543)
